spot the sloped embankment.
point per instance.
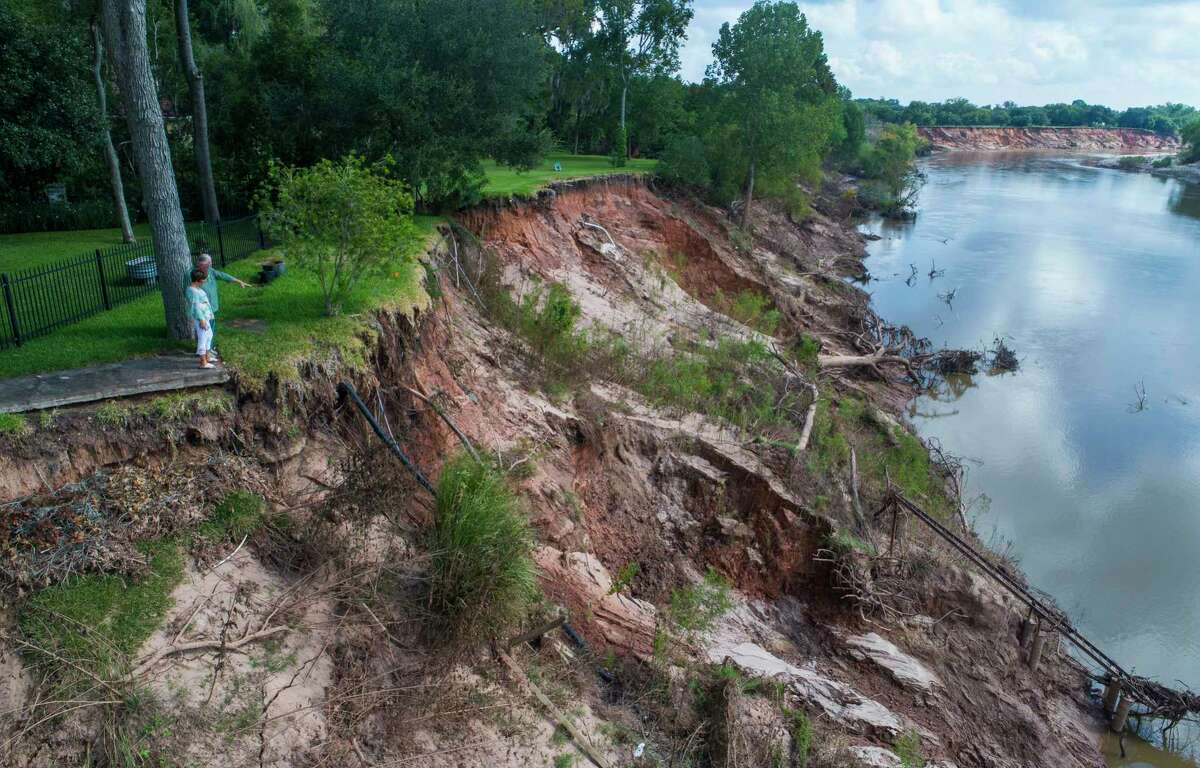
(641, 371)
(982, 138)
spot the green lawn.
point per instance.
(283, 323)
(33, 249)
(291, 324)
(504, 181)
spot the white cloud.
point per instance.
(1120, 53)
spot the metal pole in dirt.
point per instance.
(1027, 628)
(103, 282)
(12, 308)
(1122, 713)
(1112, 690)
(1036, 646)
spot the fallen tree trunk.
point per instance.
(850, 361)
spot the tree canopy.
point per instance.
(1165, 119)
(48, 110)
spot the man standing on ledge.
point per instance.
(211, 276)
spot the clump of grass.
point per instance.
(908, 749)
(802, 735)
(844, 542)
(805, 349)
(46, 418)
(113, 415)
(886, 452)
(696, 608)
(731, 381)
(830, 449)
(481, 566)
(180, 406)
(625, 577)
(239, 514)
(750, 308)
(13, 425)
(98, 621)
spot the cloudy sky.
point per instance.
(1116, 52)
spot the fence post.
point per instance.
(12, 308)
(103, 282)
(221, 242)
(262, 239)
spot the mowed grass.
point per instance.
(504, 181)
(35, 249)
(260, 330)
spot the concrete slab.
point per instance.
(100, 382)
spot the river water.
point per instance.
(1092, 276)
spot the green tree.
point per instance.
(126, 36)
(639, 38)
(195, 80)
(781, 105)
(890, 161)
(342, 220)
(48, 111)
(439, 85)
(1190, 136)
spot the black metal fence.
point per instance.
(38, 300)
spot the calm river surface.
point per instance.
(1093, 277)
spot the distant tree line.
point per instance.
(1164, 119)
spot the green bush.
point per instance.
(13, 425)
(750, 308)
(341, 220)
(1131, 162)
(683, 162)
(481, 566)
(695, 609)
(1163, 162)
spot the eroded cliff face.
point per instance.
(610, 478)
(1047, 137)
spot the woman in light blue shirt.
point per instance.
(202, 316)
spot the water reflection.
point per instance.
(1091, 275)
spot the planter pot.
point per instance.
(142, 269)
(270, 270)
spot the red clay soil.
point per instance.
(1047, 137)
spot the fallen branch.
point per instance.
(204, 645)
(810, 417)
(449, 423)
(559, 717)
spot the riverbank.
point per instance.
(699, 424)
(1189, 173)
(991, 138)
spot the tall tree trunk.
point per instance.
(187, 61)
(749, 198)
(125, 31)
(624, 92)
(110, 152)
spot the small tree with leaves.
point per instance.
(342, 220)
